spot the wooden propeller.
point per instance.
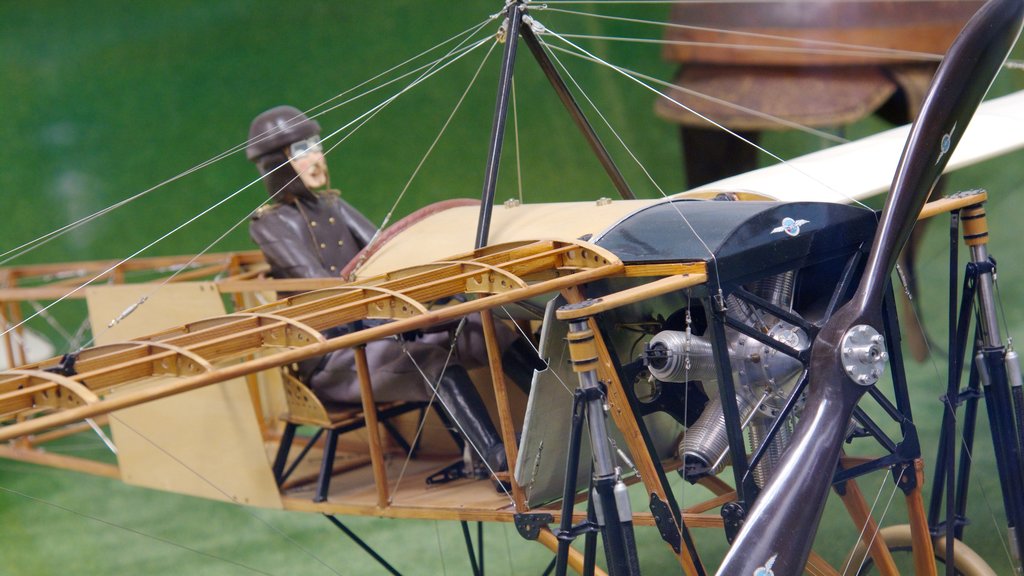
(848, 354)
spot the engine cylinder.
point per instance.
(757, 432)
(674, 357)
(705, 442)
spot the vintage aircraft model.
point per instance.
(739, 302)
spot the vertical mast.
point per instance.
(515, 13)
(514, 18)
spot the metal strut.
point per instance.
(608, 494)
(514, 29)
(366, 547)
(508, 63)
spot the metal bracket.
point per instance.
(665, 522)
(453, 471)
(66, 367)
(529, 525)
(905, 477)
(734, 515)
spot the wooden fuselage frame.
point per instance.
(36, 404)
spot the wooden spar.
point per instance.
(557, 264)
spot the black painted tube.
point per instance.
(508, 62)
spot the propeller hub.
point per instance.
(864, 355)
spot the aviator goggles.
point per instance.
(302, 147)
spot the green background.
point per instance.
(103, 100)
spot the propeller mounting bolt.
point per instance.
(863, 354)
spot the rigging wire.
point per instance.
(885, 512)
(714, 261)
(878, 524)
(958, 426)
(430, 149)
(756, 47)
(222, 201)
(365, 117)
(640, 2)
(230, 497)
(746, 109)
(130, 530)
(718, 125)
(31, 245)
(434, 387)
(838, 48)
(561, 49)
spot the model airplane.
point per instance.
(732, 301)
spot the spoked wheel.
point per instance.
(899, 542)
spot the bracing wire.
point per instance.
(717, 125)
(387, 218)
(438, 65)
(864, 528)
(31, 245)
(682, 216)
(363, 121)
(827, 46)
(277, 531)
(885, 511)
(217, 204)
(133, 531)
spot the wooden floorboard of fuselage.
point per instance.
(354, 492)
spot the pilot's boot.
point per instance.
(519, 361)
(460, 398)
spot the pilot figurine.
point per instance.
(308, 231)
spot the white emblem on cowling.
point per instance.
(766, 570)
(790, 226)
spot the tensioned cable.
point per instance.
(359, 122)
(844, 48)
(864, 528)
(718, 125)
(1003, 536)
(135, 306)
(227, 198)
(627, 2)
(839, 48)
(611, 128)
(440, 548)
(547, 364)
(755, 47)
(746, 109)
(423, 421)
(663, 193)
(193, 471)
(225, 494)
(878, 524)
(947, 407)
(133, 531)
(27, 247)
(32, 245)
(426, 155)
(434, 386)
(711, 253)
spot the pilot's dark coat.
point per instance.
(316, 237)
